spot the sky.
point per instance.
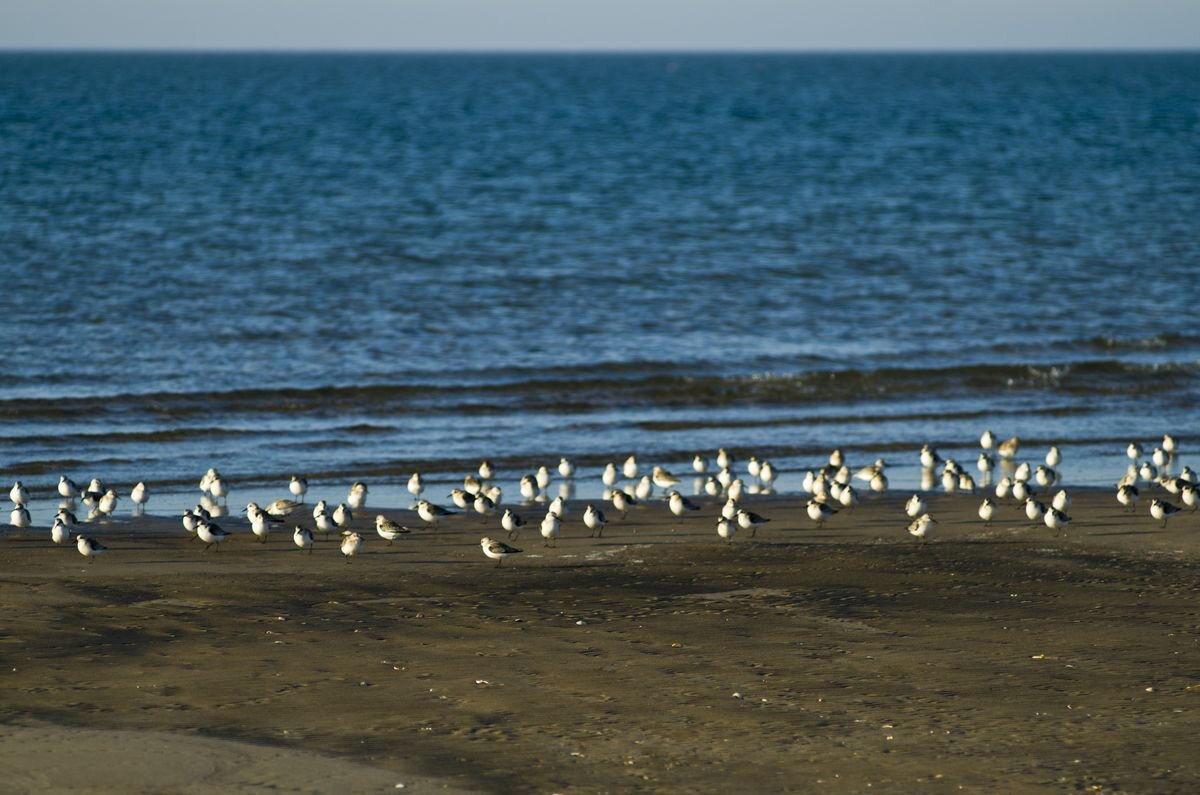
(575, 25)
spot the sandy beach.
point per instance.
(656, 658)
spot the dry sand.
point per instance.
(838, 659)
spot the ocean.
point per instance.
(355, 266)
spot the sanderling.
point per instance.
(644, 489)
(966, 482)
(1163, 510)
(700, 465)
(512, 523)
(915, 506)
(750, 521)
(810, 479)
(529, 488)
(819, 511)
(281, 508)
(67, 517)
(432, 514)
(388, 530)
(987, 509)
(461, 498)
(352, 544)
(551, 524)
(726, 529)
(919, 527)
(985, 464)
(594, 519)
(736, 489)
(866, 473)
(558, 506)
(140, 496)
(566, 467)
(484, 506)
(108, 503)
(1187, 474)
(1061, 501)
(1034, 510)
(837, 458)
(497, 550)
(1053, 457)
(210, 534)
(712, 486)
(356, 498)
(730, 509)
(325, 523)
(416, 485)
(18, 494)
(988, 440)
(543, 477)
(472, 485)
(1189, 495)
(298, 486)
(219, 488)
(1009, 447)
(680, 504)
(260, 522)
(725, 476)
(1023, 472)
(190, 520)
(879, 483)
(630, 468)
(842, 475)
(493, 492)
(1021, 490)
(949, 481)
(60, 533)
(1159, 457)
(89, 547)
(753, 466)
(206, 481)
(1134, 451)
(724, 459)
(622, 501)
(67, 488)
(303, 538)
(1147, 472)
(1169, 445)
(1127, 495)
(927, 479)
(342, 516)
(19, 516)
(610, 476)
(320, 508)
(663, 479)
(848, 498)
(1056, 519)
(929, 457)
(767, 473)
(1045, 476)
(486, 470)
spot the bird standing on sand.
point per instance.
(915, 506)
(566, 468)
(1056, 519)
(700, 465)
(19, 517)
(352, 544)
(727, 529)
(920, 526)
(486, 470)
(551, 524)
(497, 550)
(342, 516)
(108, 503)
(594, 519)
(622, 502)
(987, 509)
(1127, 495)
(630, 468)
(356, 498)
(483, 506)
(18, 494)
(819, 511)
(89, 547)
(644, 489)
(260, 523)
(298, 486)
(663, 479)
(60, 533)
(1009, 447)
(303, 538)
(988, 440)
(325, 523)
(750, 521)
(281, 508)
(1034, 510)
(67, 488)
(140, 496)
(512, 523)
(1163, 510)
(389, 530)
(680, 504)
(432, 514)
(416, 485)
(211, 534)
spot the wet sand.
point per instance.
(999, 659)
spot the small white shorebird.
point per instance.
(432, 514)
(472, 485)
(700, 465)
(325, 523)
(1021, 490)
(281, 508)
(558, 506)
(551, 524)
(298, 486)
(529, 488)
(724, 459)
(18, 494)
(663, 479)
(949, 481)
(219, 488)
(461, 498)
(320, 508)
(848, 498)
(987, 510)
(1056, 519)
(919, 527)
(966, 482)
(260, 522)
(753, 466)
(712, 486)
(644, 489)
(879, 483)
(497, 550)
(819, 511)
(342, 516)
(416, 485)
(750, 521)
(1034, 510)
(866, 473)
(206, 481)
(767, 474)
(1023, 472)
(837, 458)
(543, 477)
(1009, 447)
(108, 503)
(1127, 495)
(630, 467)
(303, 538)
(725, 477)
(60, 533)
(1160, 457)
(985, 464)
(486, 470)
(190, 520)
(89, 547)
(352, 544)
(929, 457)
(730, 509)
(988, 440)
(356, 498)
(388, 530)
(1147, 472)
(19, 517)
(1163, 510)
(493, 492)
(736, 490)
(483, 505)
(1061, 501)
(140, 496)
(211, 534)
(512, 523)
(1053, 457)
(1190, 496)
(67, 488)
(1004, 487)
(915, 506)
(594, 519)
(1133, 451)
(726, 529)
(622, 502)
(67, 517)
(1045, 476)
(1169, 444)
(610, 476)
(680, 504)
(566, 467)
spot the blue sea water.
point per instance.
(358, 265)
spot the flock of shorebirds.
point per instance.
(831, 488)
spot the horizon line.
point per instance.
(207, 50)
